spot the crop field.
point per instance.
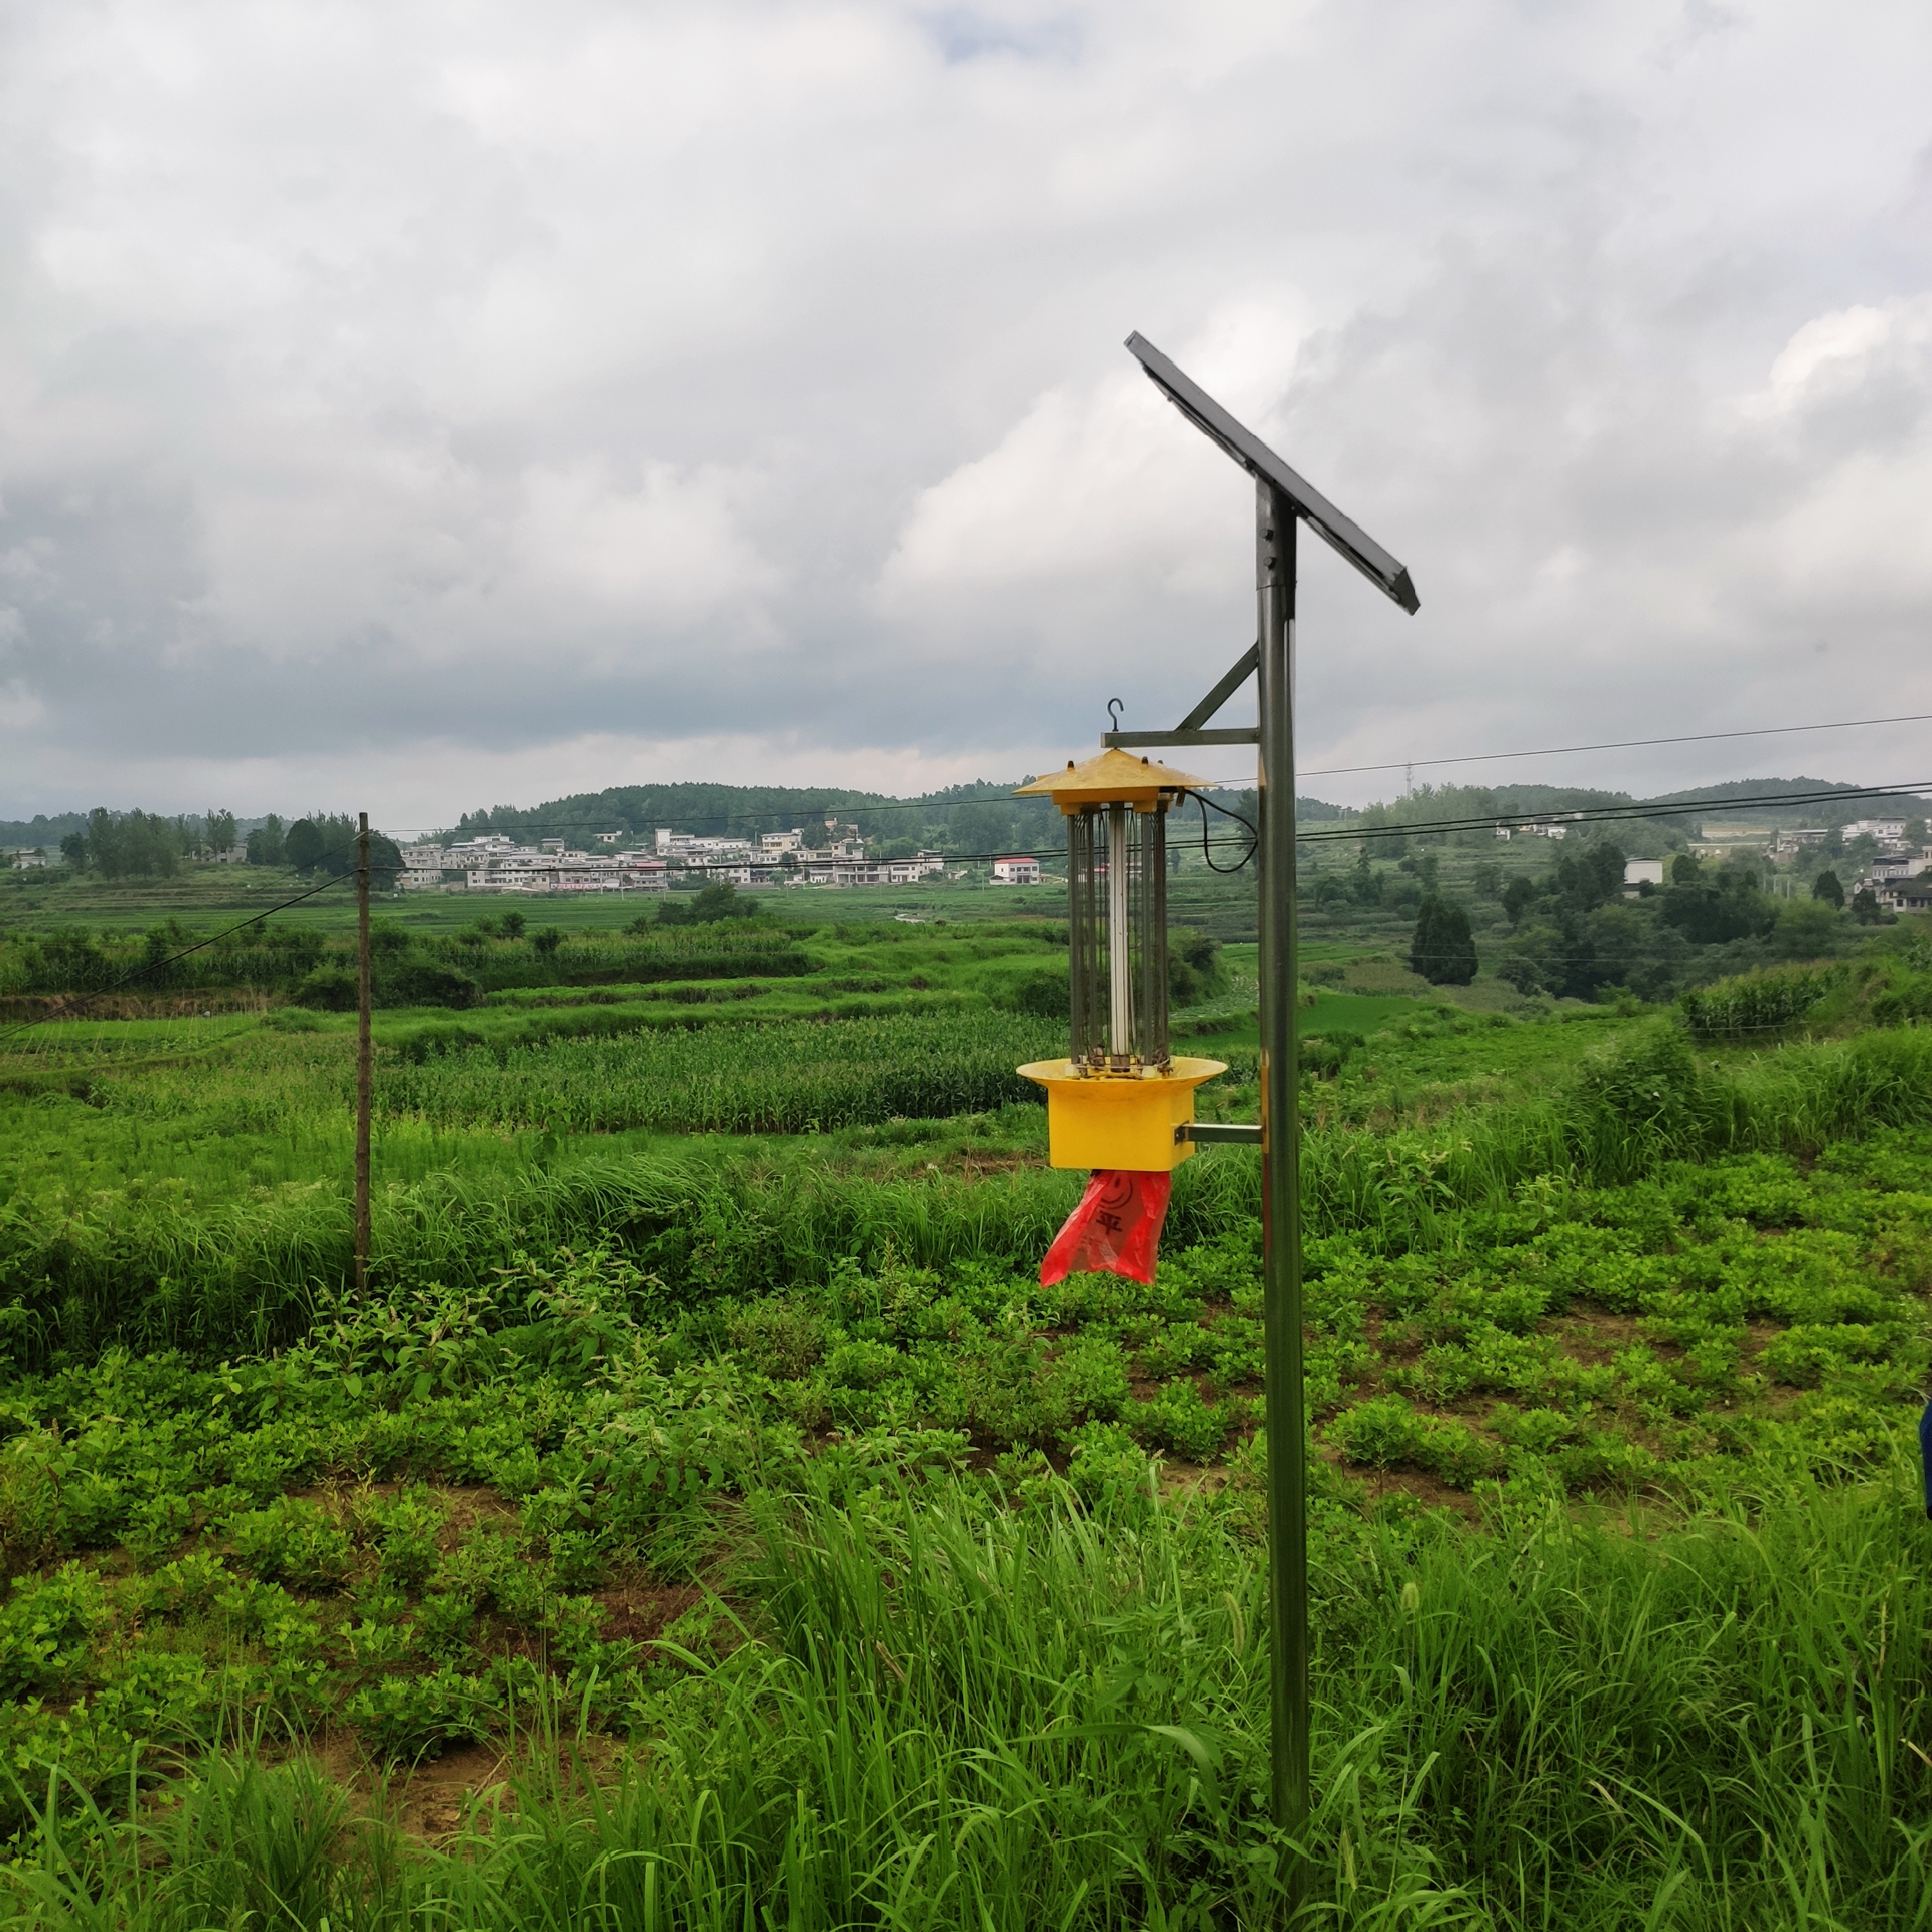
(707, 1518)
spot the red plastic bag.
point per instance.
(1116, 1228)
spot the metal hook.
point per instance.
(1115, 708)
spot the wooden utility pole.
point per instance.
(364, 1055)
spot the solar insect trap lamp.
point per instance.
(1120, 1103)
(1117, 1103)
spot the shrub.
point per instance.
(1755, 1003)
(415, 1717)
(329, 989)
(1181, 1419)
(407, 1527)
(414, 981)
(292, 1539)
(45, 1629)
(1443, 950)
(1043, 994)
(1378, 1433)
(1325, 1055)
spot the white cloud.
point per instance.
(428, 387)
(1837, 351)
(670, 551)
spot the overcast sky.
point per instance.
(429, 405)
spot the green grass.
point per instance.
(709, 1484)
(913, 1705)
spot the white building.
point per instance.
(1016, 872)
(500, 865)
(688, 846)
(1643, 872)
(27, 858)
(1880, 829)
(1900, 865)
(423, 868)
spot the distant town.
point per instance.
(498, 864)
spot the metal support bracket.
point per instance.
(1242, 1133)
(1125, 740)
(1243, 668)
(1188, 731)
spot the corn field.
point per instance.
(791, 1078)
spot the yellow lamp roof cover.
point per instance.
(1114, 777)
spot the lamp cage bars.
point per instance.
(1117, 917)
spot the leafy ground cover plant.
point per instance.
(869, 1581)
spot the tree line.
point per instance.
(138, 844)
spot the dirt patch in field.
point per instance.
(429, 1802)
(469, 1504)
(1592, 1336)
(639, 1612)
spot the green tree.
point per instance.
(1443, 950)
(266, 845)
(1685, 870)
(73, 850)
(1518, 970)
(303, 847)
(1806, 927)
(1827, 887)
(1865, 907)
(1518, 896)
(1488, 879)
(218, 828)
(546, 941)
(512, 924)
(131, 845)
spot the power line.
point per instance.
(1587, 816)
(155, 965)
(1329, 771)
(1619, 744)
(526, 826)
(1584, 816)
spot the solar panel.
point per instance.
(1340, 532)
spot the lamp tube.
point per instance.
(1120, 950)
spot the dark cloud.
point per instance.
(451, 405)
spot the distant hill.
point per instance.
(978, 817)
(984, 815)
(1818, 812)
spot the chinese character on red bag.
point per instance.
(1116, 1228)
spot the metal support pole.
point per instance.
(364, 1055)
(1275, 522)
